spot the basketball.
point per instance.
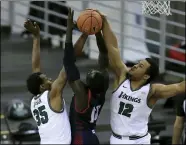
(89, 22)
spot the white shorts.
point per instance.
(66, 141)
(125, 140)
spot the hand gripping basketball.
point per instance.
(89, 22)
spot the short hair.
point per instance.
(100, 82)
(33, 83)
(153, 70)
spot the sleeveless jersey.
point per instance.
(129, 110)
(86, 119)
(54, 127)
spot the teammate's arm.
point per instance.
(71, 69)
(35, 30)
(167, 91)
(103, 52)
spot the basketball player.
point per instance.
(89, 97)
(48, 106)
(134, 96)
(179, 122)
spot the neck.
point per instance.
(135, 84)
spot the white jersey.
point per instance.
(54, 127)
(129, 110)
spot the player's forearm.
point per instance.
(101, 43)
(69, 34)
(69, 63)
(108, 34)
(36, 54)
(73, 75)
(177, 133)
(80, 44)
(103, 52)
(181, 87)
(62, 76)
(103, 61)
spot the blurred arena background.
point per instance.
(160, 37)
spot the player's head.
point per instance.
(146, 70)
(97, 81)
(38, 83)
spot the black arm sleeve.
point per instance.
(103, 53)
(69, 63)
(179, 107)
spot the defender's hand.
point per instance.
(101, 14)
(33, 28)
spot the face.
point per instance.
(47, 82)
(139, 70)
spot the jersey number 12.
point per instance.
(125, 109)
(41, 115)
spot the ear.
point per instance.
(146, 77)
(42, 87)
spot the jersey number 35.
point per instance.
(41, 115)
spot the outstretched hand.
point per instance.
(70, 25)
(33, 28)
(101, 14)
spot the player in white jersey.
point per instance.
(134, 96)
(47, 105)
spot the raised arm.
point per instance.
(78, 46)
(71, 69)
(116, 62)
(167, 91)
(34, 29)
(103, 52)
(60, 82)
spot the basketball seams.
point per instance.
(91, 24)
(81, 15)
(84, 22)
(97, 21)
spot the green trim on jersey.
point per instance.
(51, 106)
(148, 97)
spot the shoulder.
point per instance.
(152, 90)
